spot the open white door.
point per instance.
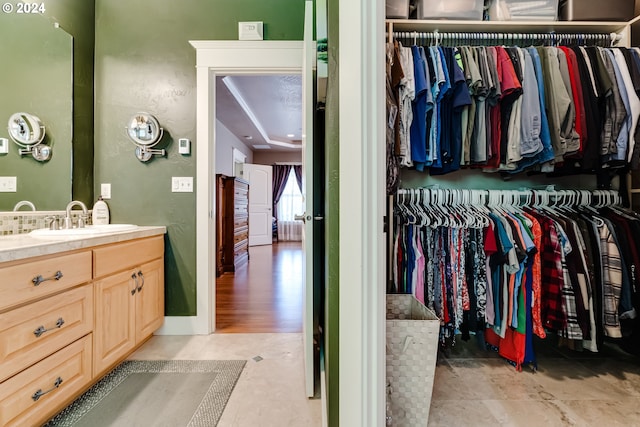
(308, 107)
(260, 203)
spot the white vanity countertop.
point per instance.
(21, 246)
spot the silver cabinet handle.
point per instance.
(141, 277)
(39, 279)
(135, 284)
(41, 329)
(38, 394)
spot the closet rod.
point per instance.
(582, 197)
(552, 38)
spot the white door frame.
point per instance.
(215, 58)
(362, 197)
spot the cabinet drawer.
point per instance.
(240, 237)
(241, 229)
(241, 246)
(70, 367)
(30, 333)
(28, 281)
(121, 256)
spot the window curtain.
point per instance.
(280, 177)
(289, 205)
(298, 170)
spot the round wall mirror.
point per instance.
(28, 132)
(26, 129)
(145, 131)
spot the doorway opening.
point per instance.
(215, 58)
(258, 151)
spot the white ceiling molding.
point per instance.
(233, 89)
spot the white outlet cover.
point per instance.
(105, 190)
(182, 184)
(8, 184)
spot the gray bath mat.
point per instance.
(156, 393)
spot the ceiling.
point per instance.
(263, 111)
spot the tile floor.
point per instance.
(269, 393)
(472, 387)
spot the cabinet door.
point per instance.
(114, 333)
(149, 299)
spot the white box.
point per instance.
(398, 9)
(523, 10)
(450, 9)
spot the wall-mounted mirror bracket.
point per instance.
(28, 132)
(145, 132)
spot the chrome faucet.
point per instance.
(67, 219)
(24, 203)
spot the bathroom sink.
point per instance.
(89, 230)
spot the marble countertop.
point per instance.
(22, 246)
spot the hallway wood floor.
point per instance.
(265, 294)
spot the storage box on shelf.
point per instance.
(597, 10)
(523, 10)
(397, 9)
(447, 9)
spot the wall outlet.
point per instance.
(8, 184)
(182, 184)
(105, 190)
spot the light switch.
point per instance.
(182, 184)
(105, 190)
(8, 184)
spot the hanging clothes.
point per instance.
(510, 272)
(507, 109)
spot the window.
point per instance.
(291, 202)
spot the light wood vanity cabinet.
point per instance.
(58, 335)
(129, 287)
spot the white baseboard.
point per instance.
(182, 325)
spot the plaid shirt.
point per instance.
(553, 315)
(612, 281)
(572, 328)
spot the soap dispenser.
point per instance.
(100, 214)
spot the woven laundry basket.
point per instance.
(412, 349)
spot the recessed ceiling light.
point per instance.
(248, 137)
(290, 135)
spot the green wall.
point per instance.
(74, 172)
(143, 62)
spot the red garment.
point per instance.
(578, 100)
(538, 329)
(553, 314)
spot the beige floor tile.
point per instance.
(270, 390)
(532, 413)
(625, 412)
(449, 413)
